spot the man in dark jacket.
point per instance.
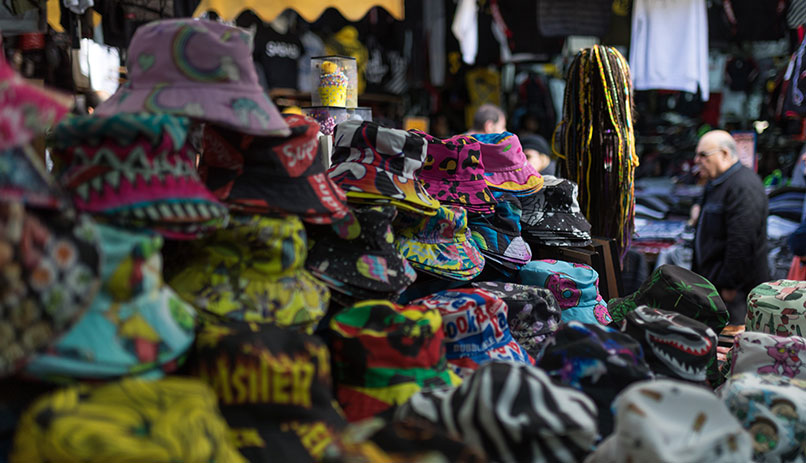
(730, 244)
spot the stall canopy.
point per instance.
(310, 10)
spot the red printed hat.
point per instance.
(505, 165)
(199, 69)
(454, 173)
(260, 175)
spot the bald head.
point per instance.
(716, 153)
(721, 139)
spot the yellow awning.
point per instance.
(310, 10)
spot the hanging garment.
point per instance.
(465, 29)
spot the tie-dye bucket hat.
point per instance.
(498, 235)
(172, 419)
(505, 164)
(198, 69)
(377, 165)
(767, 354)
(272, 175)
(778, 307)
(454, 173)
(135, 325)
(441, 245)
(383, 353)
(253, 271)
(138, 171)
(476, 329)
(575, 286)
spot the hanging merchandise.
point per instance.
(756, 20)
(561, 18)
(483, 86)
(597, 141)
(277, 49)
(793, 101)
(465, 29)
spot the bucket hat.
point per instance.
(552, 215)
(514, 411)
(253, 271)
(765, 354)
(533, 313)
(505, 164)
(273, 387)
(596, 360)
(136, 170)
(676, 289)
(669, 421)
(498, 235)
(383, 353)
(454, 172)
(135, 325)
(27, 110)
(380, 163)
(441, 245)
(772, 409)
(25, 179)
(173, 419)
(675, 346)
(367, 265)
(263, 175)
(198, 69)
(778, 307)
(575, 286)
(476, 329)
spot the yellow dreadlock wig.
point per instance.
(597, 141)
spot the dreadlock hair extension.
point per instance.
(597, 141)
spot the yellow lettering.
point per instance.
(264, 377)
(315, 438)
(221, 383)
(281, 379)
(238, 384)
(246, 437)
(301, 387)
(253, 371)
(323, 359)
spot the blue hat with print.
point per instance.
(575, 286)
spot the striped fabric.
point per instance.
(560, 18)
(796, 15)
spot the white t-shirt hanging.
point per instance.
(670, 45)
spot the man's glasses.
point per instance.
(701, 154)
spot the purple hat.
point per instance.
(453, 173)
(505, 165)
(198, 69)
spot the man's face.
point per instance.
(500, 126)
(711, 159)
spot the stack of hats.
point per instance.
(440, 245)
(668, 421)
(379, 166)
(454, 173)
(365, 265)
(136, 171)
(264, 175)
(552, 216)
(274, 389)
(135, 325)
(499, 236)
(515, 412)
(383, 353)
(778, 307)
(575, 286)
(171, 419)
(506, 169)
(533, 313)
(254, 271)
(476, 329)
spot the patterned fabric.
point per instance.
(533, 313)
(676, 289)
(596, 360)
(515, 412)
(773, 410)
(454, 173)
(505, 164)
(552, 215)
(262, 175)
(25, 109)
(49, 274)
(675, 345)
(668, 421)
(274, 389)
(134, 326)
(441, 244)
(476, 329)
(368, 266)
(778, 307)
(199, 69)
(370, 159)
(131, 421)
(383, 353)
(24, 178)
(136, 170)
(499, 235)
(575, 286)
(764, 354)
(253, 271)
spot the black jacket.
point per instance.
(730, 247)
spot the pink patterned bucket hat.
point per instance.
(505, 165)
(198, 69)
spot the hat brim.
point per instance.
(460, 258)
(375, 272)
(509, 351)
(375, 200)
(523, 179)
(246, 110)
(473, 195)
(354, 177)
